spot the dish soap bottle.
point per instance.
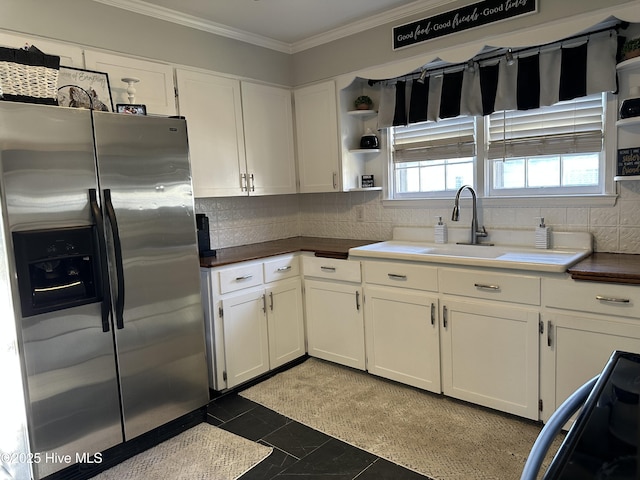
(543, 235)
(440, 233)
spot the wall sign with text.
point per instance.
(471, 16)
(628, 161)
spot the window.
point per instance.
(549, 150)
(554, 150)
(433, 158)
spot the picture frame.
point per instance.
(131, 108)
(79, 88)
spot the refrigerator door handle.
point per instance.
(96, 213)
(117, 247)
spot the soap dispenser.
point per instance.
(440, 233)
(543, 235)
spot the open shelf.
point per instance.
(628, 122)
(368, 189)
(620, 178)
(365, 150)
(362, 113)
(631, 63)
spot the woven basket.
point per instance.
(29, 76)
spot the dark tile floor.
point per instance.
(299, 452)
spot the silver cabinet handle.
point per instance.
(395, 276)
(357, 300)
(283, 269)
(549, 327)
(433, 314)
(243, 182)
(271, 301)
(445, 322)
(328, 269)
(335, 180)
(244, 277)
(264, 303)
(252, 182)
(612, 299)
(486, 286)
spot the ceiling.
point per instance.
(284, 25)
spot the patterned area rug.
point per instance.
(203, 452)
(431, 434)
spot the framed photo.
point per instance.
(79, 88)
(131, 108)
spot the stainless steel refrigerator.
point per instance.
(102, 264)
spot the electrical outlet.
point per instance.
(360, 213)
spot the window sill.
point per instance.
(547, 201)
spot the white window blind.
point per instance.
(444, 139)
(574, 126)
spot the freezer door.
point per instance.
(48, 166)
(144, 176)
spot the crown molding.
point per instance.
(190, 21)
(162, 13)
(373, 21)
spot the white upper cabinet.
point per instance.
(70, 56)
(213, 108)
(268, 134)
(155, 88)
(240, 135)
(317, 138)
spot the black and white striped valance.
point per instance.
(536, 78)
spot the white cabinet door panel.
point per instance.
(155, 89)
(285, 320)
(317, 138)
(402, 336)
(268, 133)
(245, 337)
(335, 322)
(213, 108)
(70, 55)
(490, 355)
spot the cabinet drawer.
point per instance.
(403, 275)
(596, 297)
(237, 278)
(331, 268)
(491, 285)
(280, 268)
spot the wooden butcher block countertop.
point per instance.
(323, 247)
(608, 267)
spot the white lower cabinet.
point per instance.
(246, 342)
(490, 338)
(490, 355)
(578, 347)
(584, 324)
(285, 321)
(334, 312)
(402, 336)
(254, 318)
(401, 323)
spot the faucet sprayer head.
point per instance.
(455, 215)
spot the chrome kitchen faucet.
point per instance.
(455, 216)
